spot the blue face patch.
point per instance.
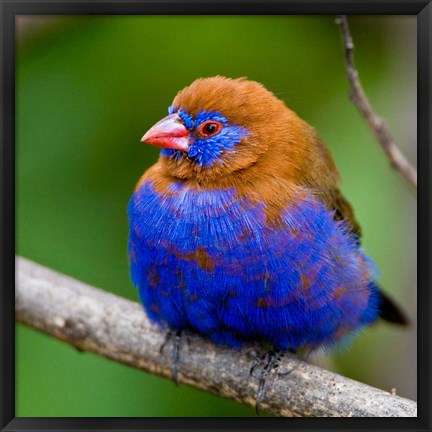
(206, 151)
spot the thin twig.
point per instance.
(375, 123)
(93, 320)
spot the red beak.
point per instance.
(170, 132)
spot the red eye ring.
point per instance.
(209, 128)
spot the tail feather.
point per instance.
(391, 312)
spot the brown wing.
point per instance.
(345, 212)
(323, 178)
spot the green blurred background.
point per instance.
(87, 90)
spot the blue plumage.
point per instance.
(284, 285)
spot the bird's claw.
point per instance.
(256, 362)
(176, 335)
(167, 338)
(272, 359)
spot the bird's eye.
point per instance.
(209, 128)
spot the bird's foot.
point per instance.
(176, 335)
(270, 360)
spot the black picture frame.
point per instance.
(10, 8)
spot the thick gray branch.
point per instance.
(375, 123)
(93, 320)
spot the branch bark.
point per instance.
(375, 123)
(96, 321)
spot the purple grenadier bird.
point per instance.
(240, 232)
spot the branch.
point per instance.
(93, 320)
(375, 123)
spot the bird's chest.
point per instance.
(188, 244)
(193, 225)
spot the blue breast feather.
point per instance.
(302, 283)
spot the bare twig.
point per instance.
(375, 123)
(93, 320)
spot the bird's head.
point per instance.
(217, 126)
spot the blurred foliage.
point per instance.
(87, 90)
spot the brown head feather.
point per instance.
(282, 156)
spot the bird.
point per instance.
(239, 232)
